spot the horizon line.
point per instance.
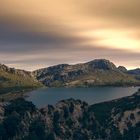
(42, 67)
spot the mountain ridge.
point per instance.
(14, 80)
(93, 73)
(98, 72)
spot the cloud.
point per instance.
(69, 31)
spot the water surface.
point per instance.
(44, 96)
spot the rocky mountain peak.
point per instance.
(14, 71)
(96, 72)
(3, 67)
(102, 64)
(58, 67)
(122, 68)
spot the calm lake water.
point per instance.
(44, 96)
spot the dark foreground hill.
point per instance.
(71, 120)
(99, 72)
(13, 80)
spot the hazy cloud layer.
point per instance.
(36, 34)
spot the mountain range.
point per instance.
(70, 119)
(99, 72)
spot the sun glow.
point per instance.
(66, 31)
(114, 39)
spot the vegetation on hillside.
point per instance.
(98, 72)
(72, 120)
(16, 81)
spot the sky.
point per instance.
(42, 33)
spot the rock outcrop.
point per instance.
(14, 80)
(122, 68)
(72, 120)
(99, 72)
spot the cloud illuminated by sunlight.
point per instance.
(69, 31)
(116, 39)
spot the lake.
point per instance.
(44, 96)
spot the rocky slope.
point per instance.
(94, 73)
(72, 120)
(135, 71)
(13, 80)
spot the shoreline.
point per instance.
(14, 95)
(23, 94)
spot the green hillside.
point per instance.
(12, 80)
(104, 78)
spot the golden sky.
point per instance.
(40, 33)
